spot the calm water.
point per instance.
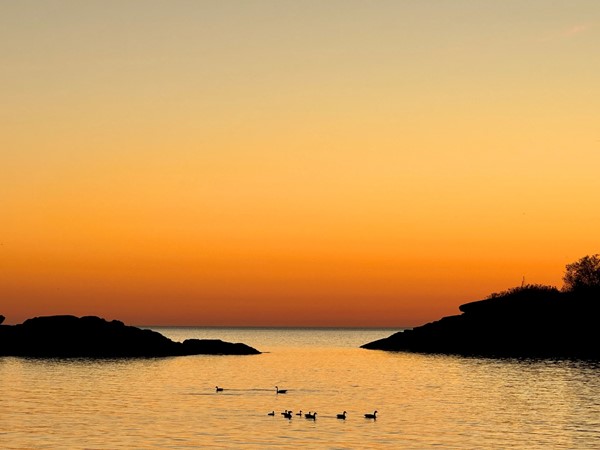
(423, 401)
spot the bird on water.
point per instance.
(371, 416)
(288, 415)
(218, 389)
(272, 413)
(280, 391)
(342, 415)
(310, 415)
(299, 413)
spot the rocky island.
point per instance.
(528, 321)
(94, 337)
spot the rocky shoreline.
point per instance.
(94, 337)
(523, 322)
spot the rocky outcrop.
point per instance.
(90, 336)
(521, 323)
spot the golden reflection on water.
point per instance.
(423, 401)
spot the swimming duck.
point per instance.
(371, 416)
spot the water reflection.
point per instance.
(423, 401)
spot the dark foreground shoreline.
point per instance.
(531, 322)
(94, 337)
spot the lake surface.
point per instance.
(423, 401)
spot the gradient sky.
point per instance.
(340, 163)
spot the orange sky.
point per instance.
(342, 163)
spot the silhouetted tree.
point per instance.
(583, 274)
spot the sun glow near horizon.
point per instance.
(283, 163)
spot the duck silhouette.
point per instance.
(288, 415)
(342, 415)
(272, 413)
(280, 391)
(371, 416)
(299, 413)
(218, 389)
(310, 415)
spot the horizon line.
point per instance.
(297, 327)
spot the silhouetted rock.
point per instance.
(214, 347)
(90, 336)
(538, 322)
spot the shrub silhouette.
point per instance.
(525, 291)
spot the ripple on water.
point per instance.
(423, 401)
